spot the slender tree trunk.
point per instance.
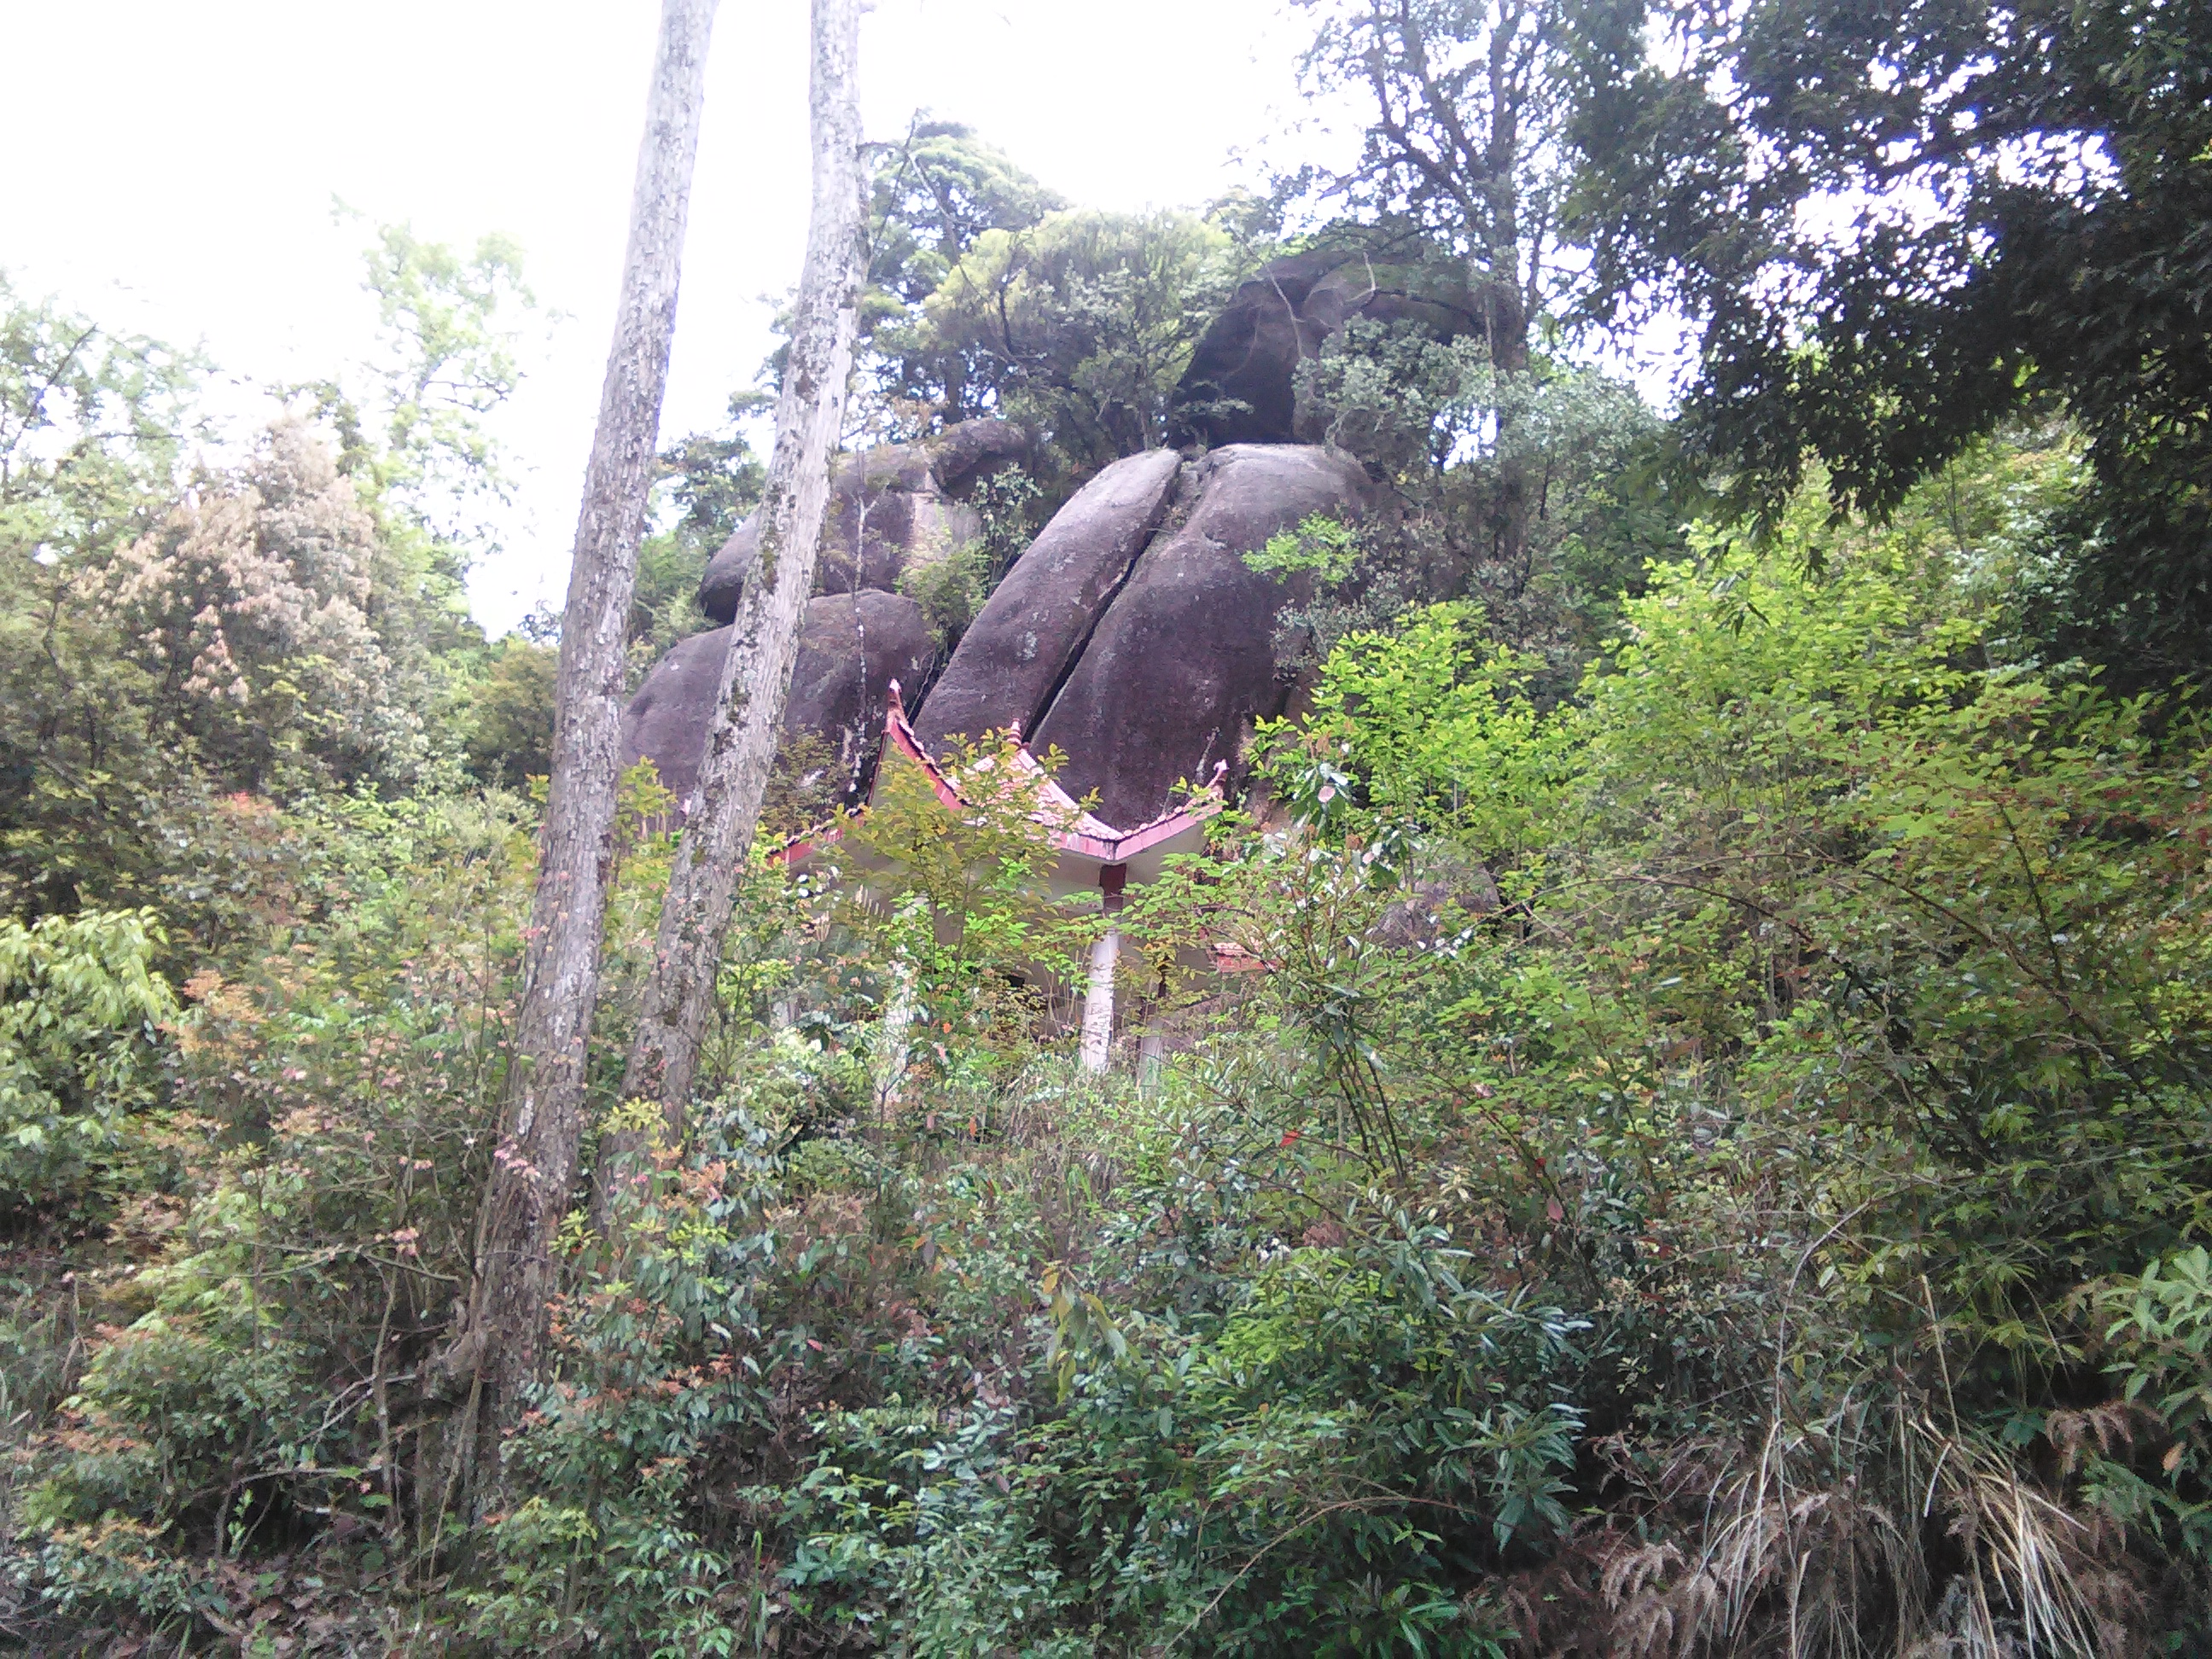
(1505, 312)
(535, 1162)
(741, 743)
(1505, 318)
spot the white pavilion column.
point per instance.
(1098, 1001)
(1151, 1056)
(893, 1036)
(1098, 994)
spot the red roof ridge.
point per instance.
(1074, 830)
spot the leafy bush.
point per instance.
(81, 1013)
(510, 716)
(1417, 732)
(268, 1384)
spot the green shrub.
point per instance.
(81, 1013)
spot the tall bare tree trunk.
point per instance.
(718, 833)
(535, 1159)
(1505, 321)
(1506, 311)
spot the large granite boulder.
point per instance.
(1023, 642)
(666, 720)
(1242, 384)
(852, 647)
(961, 457)
(1182, 664)
(892, 508)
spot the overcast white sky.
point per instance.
(175, 165)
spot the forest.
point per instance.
(1668, 1111)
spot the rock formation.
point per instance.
(1183, 662)
(892, 508)
(1242, 384)
(852, 647)
(1021, 645)
(1132, 636)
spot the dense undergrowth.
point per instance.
(1718, 1164)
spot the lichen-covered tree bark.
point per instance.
(535, 1161)
(725, 809)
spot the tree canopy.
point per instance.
(1892, 229)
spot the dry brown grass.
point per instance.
(1933, 1543)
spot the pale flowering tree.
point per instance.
(250, 609)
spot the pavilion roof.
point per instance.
(1074, 830)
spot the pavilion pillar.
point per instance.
(1151, 1056)
(1098, 994)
